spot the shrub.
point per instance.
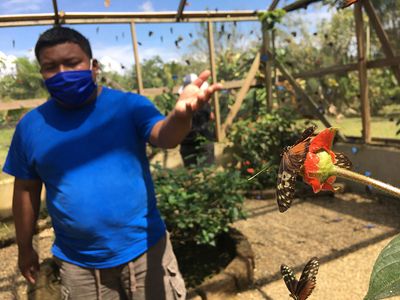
(198, 204)
(258, 143)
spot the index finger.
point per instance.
(202, 78)
(30, 276)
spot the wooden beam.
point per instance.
(56, 16)
(214, 80)
(273, 5)
(139, 17)
(241, 95)
(149, 92)
(299, 4)
(300, 91)
(326, 71)
(362, 73)
(228, 85)
(137, 60)
(127, 17)
(380, 32)
(377, 63)
(180, 10)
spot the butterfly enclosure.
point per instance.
(289, 69)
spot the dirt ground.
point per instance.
(345, 232)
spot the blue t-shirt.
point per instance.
(93, 162)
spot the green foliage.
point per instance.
(385, 278)
(27, 84)
(260, 142)
(165, 102)
(198, 204)
(270, 18)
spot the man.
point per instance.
(87, 146)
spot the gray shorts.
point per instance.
(153, 275)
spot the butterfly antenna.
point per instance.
(262, 170)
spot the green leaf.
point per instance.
(385, 276)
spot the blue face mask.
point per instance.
(71, 87)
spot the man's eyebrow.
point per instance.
(63, 59)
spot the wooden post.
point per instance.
(214, 80)
(362, 73)
(241, 95)
(266, 36)
(380, 32)
(137, 61)
(275, 76)
(266, 46)
(179, 12)
(56, 16)
(310, 102)
(273, 5)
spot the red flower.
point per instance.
(246, 163)
(319, 163)
(250, 170)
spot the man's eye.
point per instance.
(48, 67)
(72, 63)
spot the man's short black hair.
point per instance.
(59, 35)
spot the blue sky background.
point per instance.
(115, 40)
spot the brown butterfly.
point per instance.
(302, 289)
(346, 3)
(292, 159)
(342, 161)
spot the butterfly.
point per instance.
(292, 159)
(302, 289)
(342, 161)
(345, 3)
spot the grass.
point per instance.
(381, 127)
(5, 140)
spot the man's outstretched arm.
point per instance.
(170, 132)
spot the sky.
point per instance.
(114, 41)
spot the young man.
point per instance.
(87, 146)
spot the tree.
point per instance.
(26, 84)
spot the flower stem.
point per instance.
(353, 176)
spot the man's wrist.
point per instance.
(182, 117)
(25, 246)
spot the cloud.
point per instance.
(20, 6)
(166, 55)
(30, 54)
(124, 54)
(146, 6)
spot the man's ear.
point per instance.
(95, 68)
(95, 64)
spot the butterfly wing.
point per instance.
(289, 279)
(286, 183)
(306, 134)
(342, 161)
(308, 279)
(291, 162)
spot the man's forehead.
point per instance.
(61, 51)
